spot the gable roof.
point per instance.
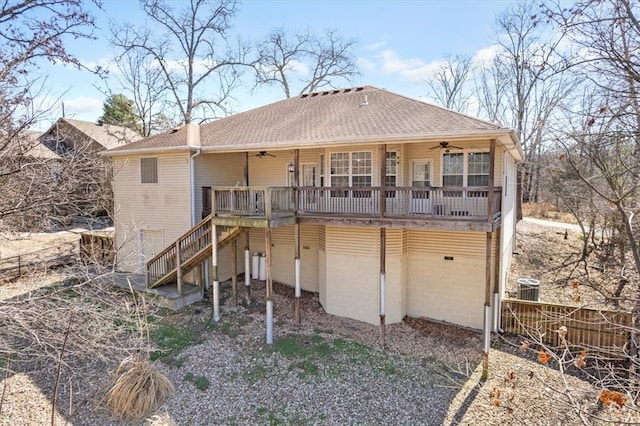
(108, 136)
(356, 115)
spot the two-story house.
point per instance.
(384, 205)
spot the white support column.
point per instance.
(382, 301)
(214, 266)
(298, 292)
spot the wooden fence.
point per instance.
(595, 330)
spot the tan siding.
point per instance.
(353, 274)
(470, 244)
(217, 170)
(163, 207)
(283, 252)
(269, 171)
(445, 290)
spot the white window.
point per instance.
(465, 169)
(350, 169)
(149, 170)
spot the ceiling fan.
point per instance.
(445, 145)
(262, 154)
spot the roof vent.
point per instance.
(325, 93)
(175, 129)
(347, 90)
(304, 95)
(359, 89)
(335, 91)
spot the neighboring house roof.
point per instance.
(107, 136)
(356, 115)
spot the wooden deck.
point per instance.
(446, 208)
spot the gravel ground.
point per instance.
(427, 374)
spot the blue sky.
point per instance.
(399, 42)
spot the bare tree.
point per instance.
(31, 32)
(448, 84)
(198, 66)
(304, 62)
(523, 85)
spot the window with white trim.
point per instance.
(350, 169)
(465, 169)
(149, 170)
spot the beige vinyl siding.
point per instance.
(508, 227)
(162, 206)
(283, 252)
(217, 170)
(269, 171)
(446, 290)
(352, 267)
(423, 151)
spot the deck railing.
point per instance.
(409, 202)
(595, 330)
(253, 201)
(469, 202)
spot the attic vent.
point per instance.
(335, 91)
(347, 90)
(304, 95)
(314, 94)
(325, 93)
(359, 89)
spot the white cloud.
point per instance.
(83, 108)
(483, 57)
(388, 62)
(376, 46)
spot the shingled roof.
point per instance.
(356, 115)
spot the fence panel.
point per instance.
(592, 329)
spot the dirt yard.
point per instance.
(328, 370)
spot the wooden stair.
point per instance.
(192, 248)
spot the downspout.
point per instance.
(193, 140)
(192, 171)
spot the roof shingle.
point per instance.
(329, 117)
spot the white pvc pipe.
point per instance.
(297, 274)
(496, 312)
(383, 293)
(216, 301)
(487, 329)
(247, 266)
(269, 322)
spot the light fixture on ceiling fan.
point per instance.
(262, 154)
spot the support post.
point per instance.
(178, 268)
(296, 311)
(247, 269)
(214, 267)
(486, 327)
(296, 198)
(383, 283)
(383, 180)
(234, 269)
(269, 287)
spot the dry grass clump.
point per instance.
(163, 419)
(139, 388)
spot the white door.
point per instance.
(420, 177)
(150, 243)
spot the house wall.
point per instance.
(283, 252)
(446, 290)
(152, 210)
(352, 274)
(508, 229)
(217, 170)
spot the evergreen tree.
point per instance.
(120, 111)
